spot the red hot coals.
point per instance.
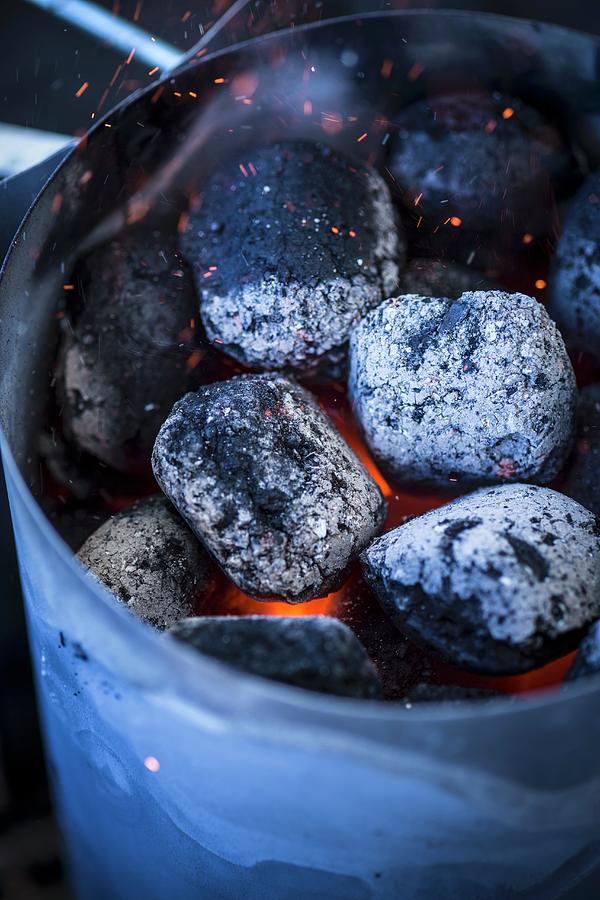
(274, 491)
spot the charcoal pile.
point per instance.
(445, 518)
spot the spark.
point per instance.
(307, 108)
(362, 137)
(490, 126)
(243, 170)
(418, 199)
(352, 233)
(540, 284)
(68, 287)
(219, 81)
(153, 71)
(527, 238)
(184, 218)
(415, 71)
(82, 89)
(193, 360)
(186, 16)
(386, 68)
(335, 230)
(508, 112)
(193, 94)
(131, 55)
(152, 764)
(455, 221)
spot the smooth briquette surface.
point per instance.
(498, 581)
(151, 561)
(476, 390)
(574, 283)
(317, 653)
(488, 159)
(582, 481)
(122, 361)
(268, 485)
(290, 246)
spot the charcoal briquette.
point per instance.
(149, 558)
(499, 581)
(475, 390)
(477, 161)
(587, 660)
(582, 481)
(317, 653)
(122, 363)
(574, 282)
(290, 246)
(268, 485)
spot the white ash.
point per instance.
(122, 363)
(430, 277)
(582, 481)
(268, 485)
(488, 159)
(290, 247)
(587, 661)
(317, 653)
(475, 390)
(151, 561)
(499, 581)
(574, 283)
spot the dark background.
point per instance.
(43, 62)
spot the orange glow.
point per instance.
(82, 89)
(508, 113)
(233, 602)
(527, 238)
(540, 284)
(455, 221)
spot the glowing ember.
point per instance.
(152, 764)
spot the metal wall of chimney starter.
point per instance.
(42, 64)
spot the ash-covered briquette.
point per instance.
(438, 278)
(122, 362)
(498, 581)
(574, 283)
(149, 558)
(582, 481)
(475, 390)
(317, 653)
(268, 485)
(477, 161)
(587, 660)
(290, 246)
